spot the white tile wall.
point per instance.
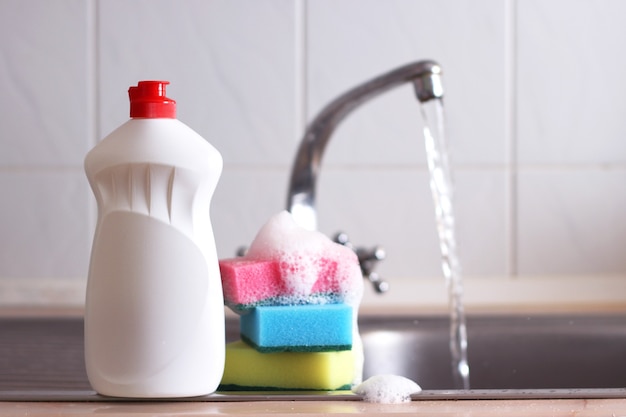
(534, 114)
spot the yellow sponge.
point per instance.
(248, 369)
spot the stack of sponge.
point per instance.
(297, 294)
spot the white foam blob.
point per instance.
(387, 389)
(303, 256)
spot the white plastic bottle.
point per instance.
(154, 316)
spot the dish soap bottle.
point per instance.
(154, 316)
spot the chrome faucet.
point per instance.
(426, 79)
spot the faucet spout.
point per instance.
(426, 79)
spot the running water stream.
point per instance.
(442, 193)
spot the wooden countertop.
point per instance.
(467, 408)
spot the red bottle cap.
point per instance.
(148, 100)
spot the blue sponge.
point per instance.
(298, 328)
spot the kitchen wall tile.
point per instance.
(570, 87)
(571, 222)
(395, 209)
(381, 207)
(377, 155)
(231, 65)
(44, 82)
(533, 108)
(482, 211)
(45, 229)
(244, 200)
(351, 41)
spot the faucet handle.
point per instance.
(343, 239)
(368, 259)
(241, 251)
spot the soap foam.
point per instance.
(387, 389)
(306, 258)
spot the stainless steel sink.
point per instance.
(510, 352)
(41, 359)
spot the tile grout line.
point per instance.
(92, 71)
(301, 55)
(93, 102)
(511, 135)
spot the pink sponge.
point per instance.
(328, 277)
(245, 282)
(248, 283)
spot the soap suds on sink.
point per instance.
(387, 389)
